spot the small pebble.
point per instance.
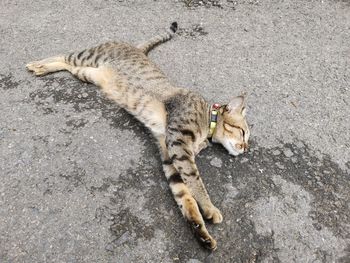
(317, 226)
(216, 162)
(337, 203)
(320, 184)
(276, 152)
(299, 145)
(281, 166)
(244, 160)
(288, 153)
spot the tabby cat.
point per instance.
(180, 119)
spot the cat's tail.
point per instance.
(154, 41)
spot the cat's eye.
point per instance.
(230, 128)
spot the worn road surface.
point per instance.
(81, 180)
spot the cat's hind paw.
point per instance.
(37, 68)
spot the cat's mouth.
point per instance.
(232, 150)
(234, 153)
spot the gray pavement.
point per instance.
(81, 180)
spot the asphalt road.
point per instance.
(81, 180)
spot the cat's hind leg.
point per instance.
(48, 65)
(92, 57)
(98, 76)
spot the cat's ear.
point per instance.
(244, 111)
(236, 105)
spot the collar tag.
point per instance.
(216, 106)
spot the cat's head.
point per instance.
(232, 130)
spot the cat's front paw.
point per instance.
(202, 146)
(213, 214)
(203, 236)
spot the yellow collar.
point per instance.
(213, 117)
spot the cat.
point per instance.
(180, 120)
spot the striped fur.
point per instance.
(177, 117)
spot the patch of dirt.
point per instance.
(192, 32)
(221, 4)
(8, 82)
(82, 97)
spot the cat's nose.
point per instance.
(245, 147)
(240, 146)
